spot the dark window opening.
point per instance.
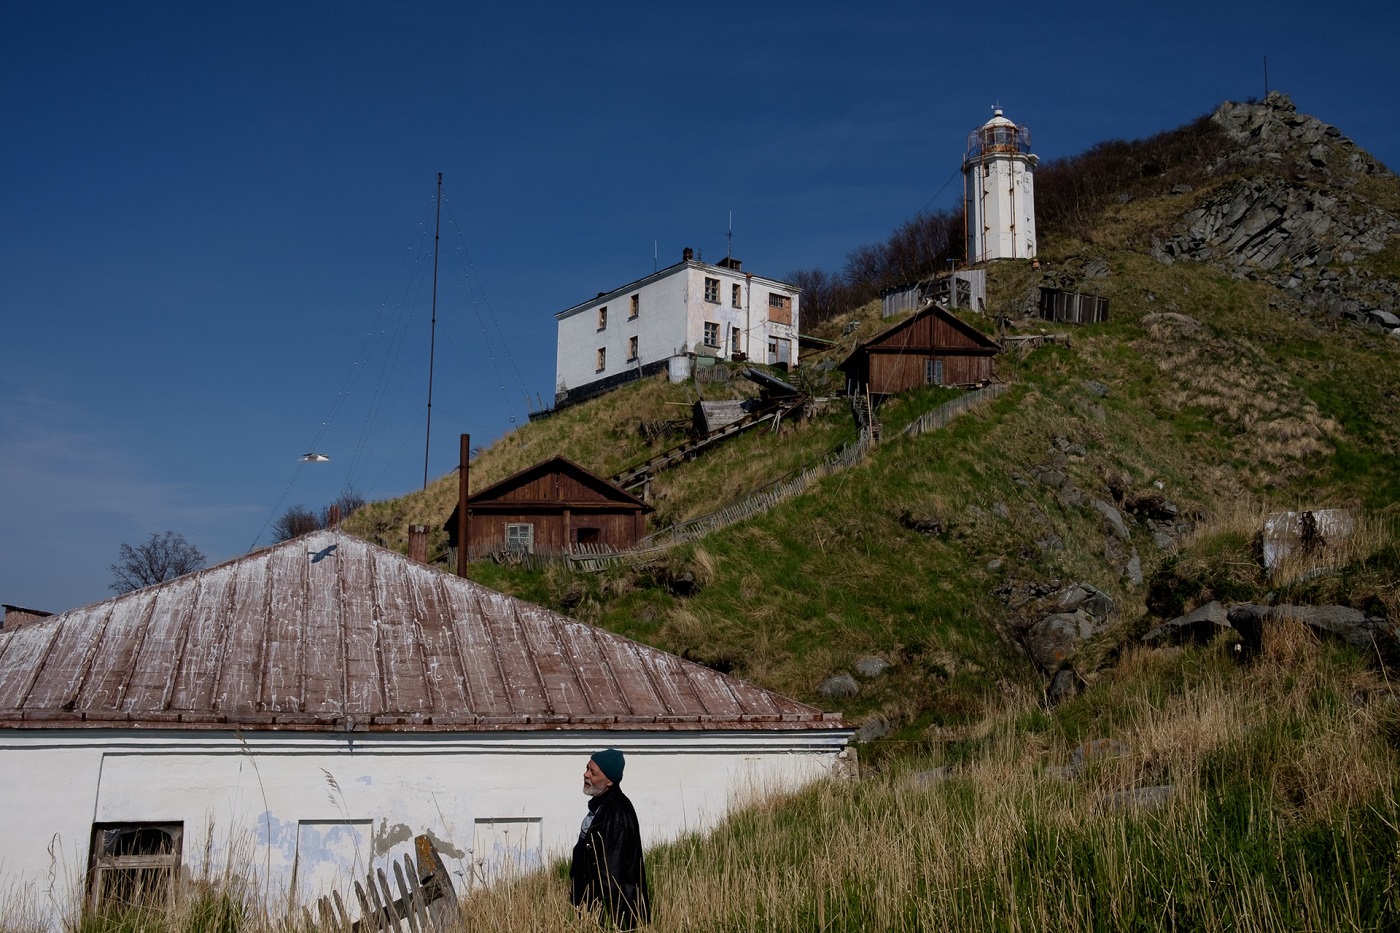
(587, 536)
(134, 864)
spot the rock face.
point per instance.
(1295, 218)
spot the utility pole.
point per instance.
(432, 338)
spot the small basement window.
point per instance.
(134, 864)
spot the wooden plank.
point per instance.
(400, 652)
(408, 909)
(391, 915)
(288, 571)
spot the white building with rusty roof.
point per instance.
(301, 712)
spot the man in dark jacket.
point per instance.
(607, 868)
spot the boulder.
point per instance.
(1097, 750)
(1056, 638)
(1137, 798)
(1112, 517)
(871, 666)
(1340, 622)
(840, 686)
(1199, 626)
(1065, 685)
(876, 727)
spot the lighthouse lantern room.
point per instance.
(999, 191)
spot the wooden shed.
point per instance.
(930, 348)
(550, 508)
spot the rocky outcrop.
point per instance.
(1247, 621)
(1294, 218)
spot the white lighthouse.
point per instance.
(999, 191)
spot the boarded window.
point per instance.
(520, 536)
(779, 308)
(505, 848)
(327, 854)
(134, 864)
(712, 290)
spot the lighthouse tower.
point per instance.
(999, 191)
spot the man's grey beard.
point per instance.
(593, 790)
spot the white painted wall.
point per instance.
(1003, 208)
(671, 321)
(334, 804)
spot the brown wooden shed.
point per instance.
(550, 508)
(931, 348)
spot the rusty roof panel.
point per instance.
(329, 632)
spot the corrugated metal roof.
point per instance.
(329, 632)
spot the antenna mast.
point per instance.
(729, 250)
(432, 338)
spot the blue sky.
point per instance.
(216, 220)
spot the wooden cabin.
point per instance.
(930, 348)
(550, 508)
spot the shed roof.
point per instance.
(328, 632)
(895, 340)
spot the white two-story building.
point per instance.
(668, 319)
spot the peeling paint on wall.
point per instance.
(386, 837)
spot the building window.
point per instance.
(602, 359)
(933, 372)
(520, 537)
(587, 536)
(711, 334)
(636, 307)
(736, 296)
(603, 317)
(631, 349)
(779, 308)
(712, 290)
(734, 340)
(134, 864)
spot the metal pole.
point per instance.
(432, 339)
(463, 523)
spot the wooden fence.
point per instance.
(940, 416)
(426, 901)
(658, 542)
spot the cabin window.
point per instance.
(631, 349)
(602, 359)
(736, 296)
(711, 334)
(933, 372)
(520, 537)
(636, 307)
(603, 318)
(134, 864)
(587, 535)
(712, 290)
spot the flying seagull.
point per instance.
(314, 457)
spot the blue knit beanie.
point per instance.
(611, 762)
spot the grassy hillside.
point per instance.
(1182, 788)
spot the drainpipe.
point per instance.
(748, 316)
